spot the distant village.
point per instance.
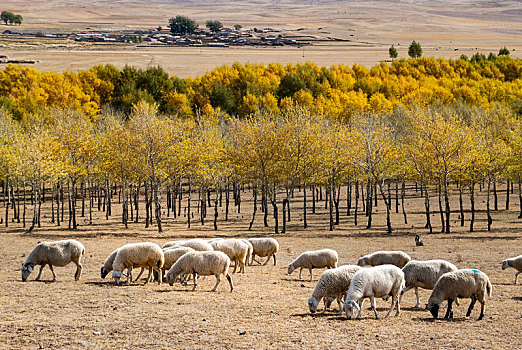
(201, 37)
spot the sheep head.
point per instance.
(505, 264)
(104, 272)
(433, 308)
(349, 306)
(361, 262)
(291, 268)
(116, 275)
(312, 304)
(26, 271)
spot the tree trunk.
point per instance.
(363, 199)
(227, 201)
(507, 193)
(472, 201)
(305, 222)
(495, 197)
(336, 197)
(447, 205)
(348, 198)
(441, 212)
(58, 186)
(189, 195)
(276, 214)
(25, 208)
(125, 208)
(387, 203)
(285, 204)
(313, 199)
(180, 195)
(34, 222)
(461, 207)
(356, 202)
(216, 211)
(147, 204)
(157, 206)
(520, 196)
(69, 202)
(136, 203)
(488, 210)
(254, 211)
(403, 194)
(169, 205)
(329, 194)
(82, 190)
(369, 208)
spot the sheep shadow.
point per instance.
(431, 320)
(517, 298)
(100, 284)
(316, 315)
(503, 284)
(412, 308)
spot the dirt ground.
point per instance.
(268, 308)
(367, 29)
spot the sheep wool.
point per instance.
(374, 282)
(204, 264)
(314, 259)
(424, 274)
(466, 283)
(57, 253)
(264, 247)
(332, 283)
(397, 258)
(146, 254)
(515, 263)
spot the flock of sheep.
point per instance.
(382, 274)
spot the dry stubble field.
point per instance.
(268, 309)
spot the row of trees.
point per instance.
(11, 18)
(183, 25)
(169, 160)
(338, 91)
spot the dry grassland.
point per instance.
(445, 29)
(268, 309)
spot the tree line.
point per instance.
(337, 91)
(77, 163)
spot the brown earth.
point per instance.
(268, 309)
(444, 29)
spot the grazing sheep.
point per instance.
(264, 247)
(107, 266)
(204, 264)
(424, 274)
(332, 283)
(397, 258)
(465, 283)
(516, 263)
(173, 243)
(171, 256)
(146, 254)
(250, 249)
(197, 244)
(374, 282)
(314, 259)
(58, 253)
(236, 249)
(210, 240)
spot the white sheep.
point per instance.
(58, 253)
(236, 249)
(424, 274)
(173, 243)
(397, 258)
(314, 259)
(466, 283)
(264, 247)
(515, 263)
(250, 249)
(204, 264)
(146, 254)
(197, 244)
(332, 283)
(374, 282)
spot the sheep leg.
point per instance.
(267, 260)
(78, 273)
(311, 274)
(449, 312)
(52, 270)
(360, 309)
(402, 293)
(339, 302)
(516, 276)
(230, 282)
(40, 273)
(139, 275)
(218, 279)
(235, 266)
(195, 281)
(275, 262)
(482, 308)
(160, 276)
(471, 305)
(374, 307)
(300, 270)
(149, 275)
(241, 266)
(129, 275)
(393, 302)
(325, 300)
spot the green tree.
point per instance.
(415, 50)
(7, 16)
(182, 25)
(290, 84)
(503, 51)
(223, 96)
(238, 26)
(214, 26)
(393, 52)
(17, 19)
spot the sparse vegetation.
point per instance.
(182, 25)
(214, 26)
